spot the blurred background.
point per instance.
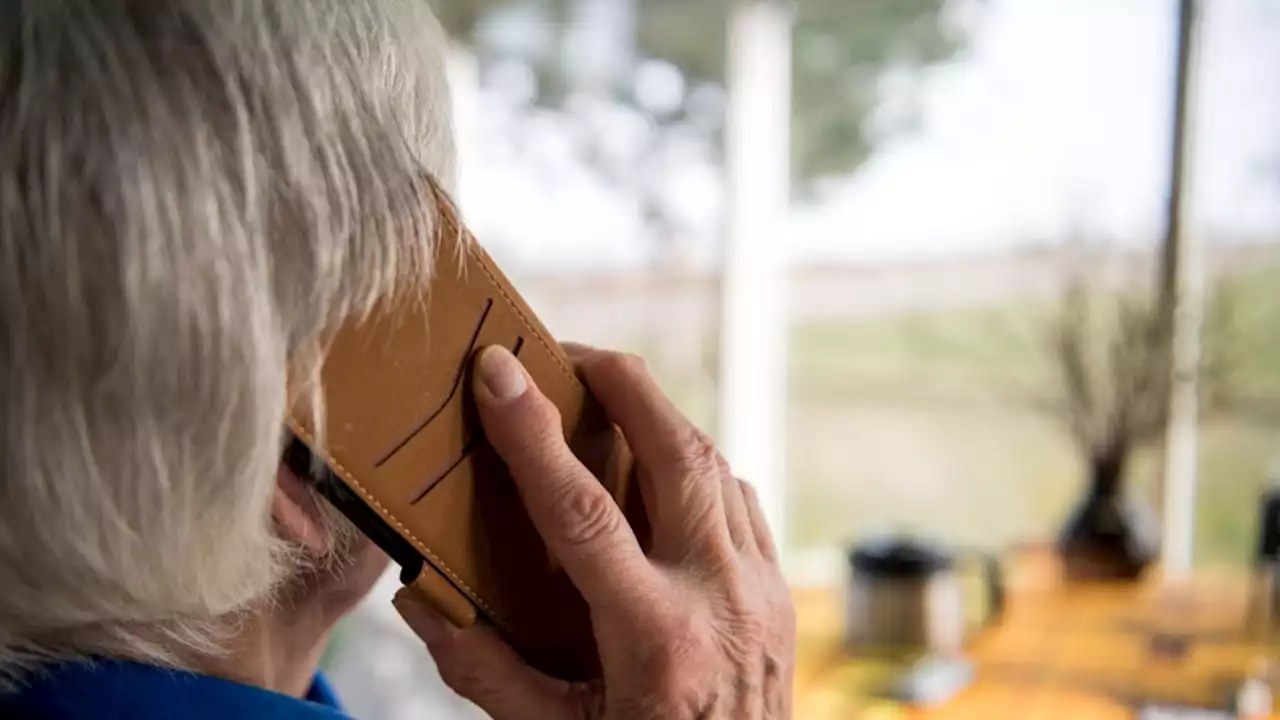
(908, 259)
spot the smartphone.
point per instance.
(402, 454)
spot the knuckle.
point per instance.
(703, 541)
(617, 364)
(753, 624)
(745, 640)
(468, 679)
(540, 434)
(578, 351)
(587, 515)
(742, 598)
(725, 470)
(717, 556)
(686, 660)
(699, 456)
(785, 612)
(775, 609)
(744, 623)
(681, 644)
(546, 418)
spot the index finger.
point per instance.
(576, 517)
(682, 473)
(663, 439)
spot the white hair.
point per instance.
(192, 192)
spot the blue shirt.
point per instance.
(132, 691)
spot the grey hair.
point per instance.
(192, 193)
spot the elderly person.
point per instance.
(192, 192)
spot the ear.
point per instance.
(297, 513)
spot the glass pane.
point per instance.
(1236, 185)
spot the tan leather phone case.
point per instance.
(407, 460)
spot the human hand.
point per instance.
(702, 627)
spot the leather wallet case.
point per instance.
(404, 456)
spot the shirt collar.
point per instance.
(117, 690)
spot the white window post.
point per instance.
(753, 344)
(1182, 294)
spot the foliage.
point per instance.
(842, 48)
(1112, 351)
(460, 19)
(1113, 358)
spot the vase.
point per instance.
(1109, 536)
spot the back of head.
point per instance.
(191, 192)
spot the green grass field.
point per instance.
(933, 422)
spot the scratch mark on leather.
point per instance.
(467, 449)
(453, 390)
(443, 473)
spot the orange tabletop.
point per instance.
(1061, 652)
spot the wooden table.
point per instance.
(1092, 652)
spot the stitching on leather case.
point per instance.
(351, 478)
(448, 213)
(484, 264)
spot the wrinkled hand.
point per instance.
(702, 627)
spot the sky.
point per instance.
(1055, 119)
(1060, 120)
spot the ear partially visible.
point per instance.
(297, 513)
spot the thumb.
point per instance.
(479, 666)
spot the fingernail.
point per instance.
(501, 374)
(426, 623)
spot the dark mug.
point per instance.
(906, 596)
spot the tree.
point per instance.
(1108, 342)
(842, 49)
(461, 18)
